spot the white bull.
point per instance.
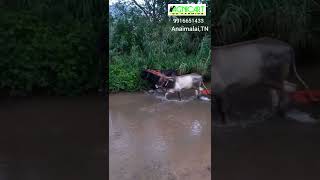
(183, 82)
(263, 61)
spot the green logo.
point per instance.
(186, 10)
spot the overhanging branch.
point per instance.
(140, 7)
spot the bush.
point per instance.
(54, 58)
(156, 50)
(124, 77)
(289, 20)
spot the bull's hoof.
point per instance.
(225, 120)
(282, 113)
(165, 97)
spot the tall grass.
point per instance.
(148, 46)
(124, 70)
(137, 44)
(289, 20)
(50, 46)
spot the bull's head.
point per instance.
(166, 83)
(143, 75)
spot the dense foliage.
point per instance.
(138, 42)
(48, 47)
(295, 21)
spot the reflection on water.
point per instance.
(157, 139)
(274, 149)
(196, 128)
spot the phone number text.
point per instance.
(188, 20)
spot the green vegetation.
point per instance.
(141, 41)
(49, 46)
(294, 21)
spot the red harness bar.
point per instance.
(305, 97)
(157, 73)
(206, 92)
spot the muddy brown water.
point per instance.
(53, 138)
(154, 139)
(264, 146)
(275, 149)
(65, 138)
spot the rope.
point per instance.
(204, 85)
(299, 77)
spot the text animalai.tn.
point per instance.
(191, 28)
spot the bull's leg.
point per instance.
(279, 97)
(197, 93)
(179, 95)
(283, 102)
(165, 95)
(198, 90)
(161, 90)
(274, 100)
(222, 108)
(169, 91)
(280, 101)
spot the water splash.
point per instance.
(196, 128)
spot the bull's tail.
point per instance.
(294, 67)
